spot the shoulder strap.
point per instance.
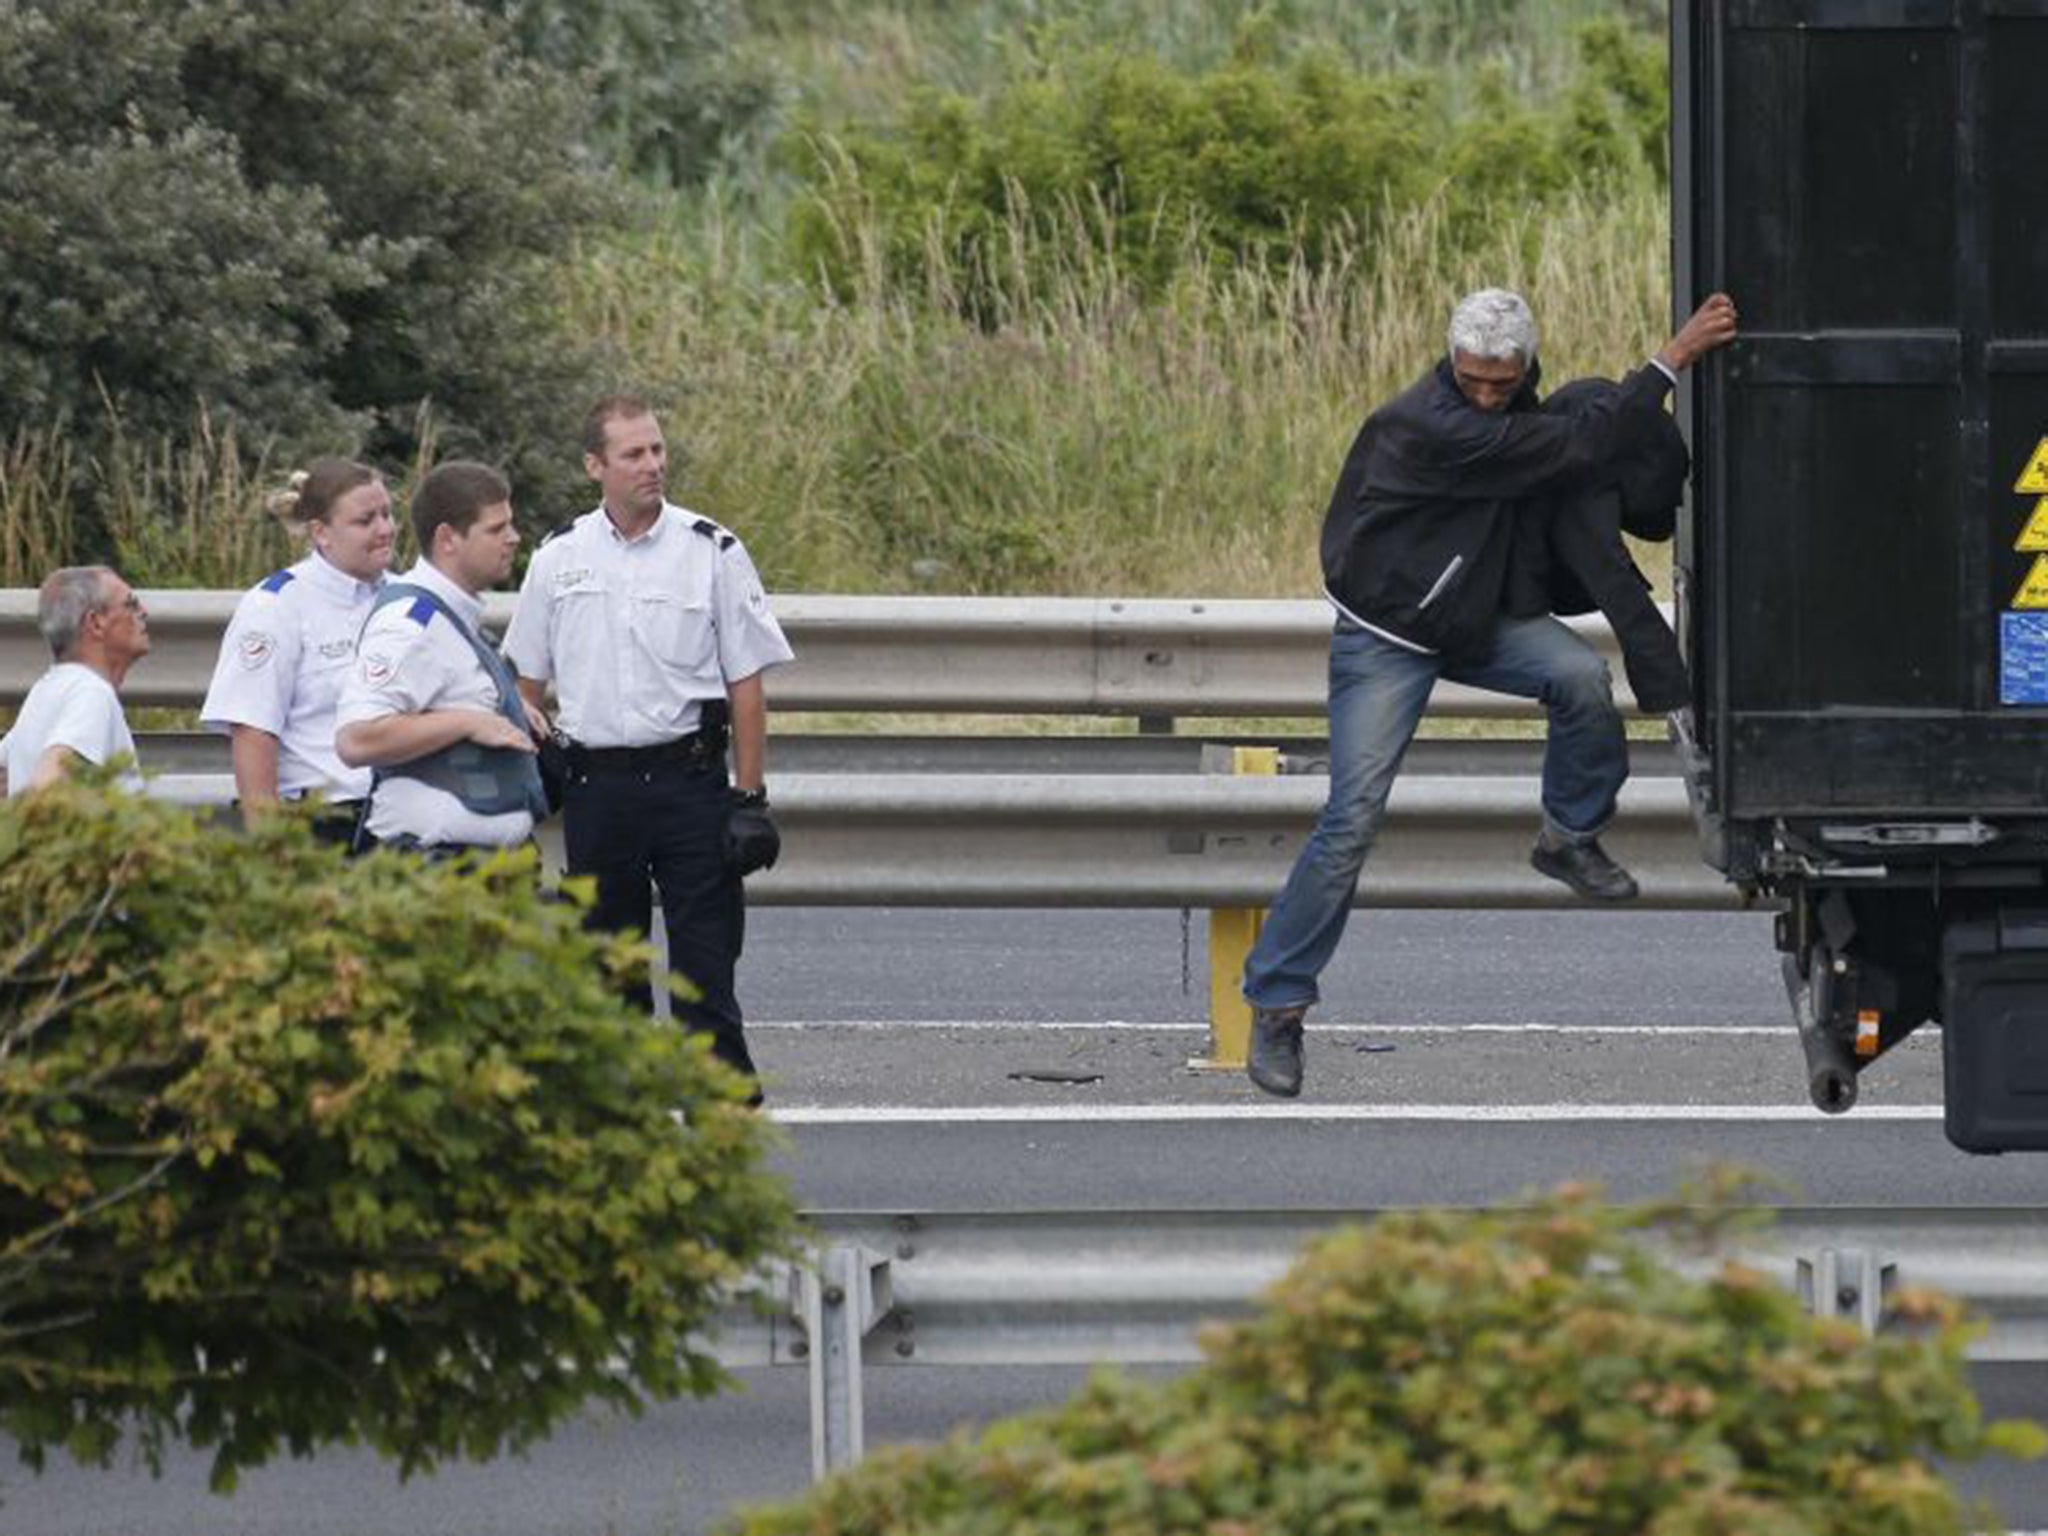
(424, 605)
(525, 778)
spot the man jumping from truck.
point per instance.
(1416, 547)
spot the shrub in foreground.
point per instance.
(295, 1151)
(1534, 1370)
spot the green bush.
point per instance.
(1441, 1373)
(849, 58)
(1257, 161)
(674, 94)
(324, 220)
(296, 1151)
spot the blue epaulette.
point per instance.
(556, 532)
(277, 581)
(421, 612)
(711, 530)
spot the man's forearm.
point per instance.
(749, 732)
(254, 753)
(54, 765)
(392, 739)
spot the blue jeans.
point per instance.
(1377, 694)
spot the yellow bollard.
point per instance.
(1232, 932)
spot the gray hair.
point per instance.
(67, 599)
(1493, 323)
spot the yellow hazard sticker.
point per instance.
(2033, 592)
(2033, 480)
(2033, 538)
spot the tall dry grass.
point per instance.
(167, 511)
(1087, 440)
(38, 526)
(190, 512)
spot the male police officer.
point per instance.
(651, 623)
(428, 704)
(97, 629)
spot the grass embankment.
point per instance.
(1091, 442)
(1074, 423)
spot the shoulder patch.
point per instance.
(421, 612)
(276, 581)
(714, 533)
(255, 649)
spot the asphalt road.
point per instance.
(907, 963)
(998, 1060)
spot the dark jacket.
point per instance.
(1648, 476)
(1419, 534)
(1650, 471)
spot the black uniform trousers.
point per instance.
(664, 821)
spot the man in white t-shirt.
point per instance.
(97, 629)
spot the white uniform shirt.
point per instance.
(286, 654)
(70, 706)
(638, 633)
(406, 667)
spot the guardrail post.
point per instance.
(837, 1304)
(1232, 932)
(1846, 1283)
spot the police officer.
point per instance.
(289, 647)
(428, 705)
(651, 623)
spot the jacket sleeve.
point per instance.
(1521, 454)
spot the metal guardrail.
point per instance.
(965, 655)
(1133, 1287)
(1168, 840)
(886, 752)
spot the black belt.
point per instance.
(693, 751)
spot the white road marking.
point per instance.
(1479, 1114)
(1783, 1031)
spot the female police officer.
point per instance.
(290, 644)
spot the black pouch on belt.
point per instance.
(554, 769)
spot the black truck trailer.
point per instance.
(1862, 572)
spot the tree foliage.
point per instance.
(1261, 160)
(296, 1151)
(1438, 1373)
(320, 218)
(672, 92)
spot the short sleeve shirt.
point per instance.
(638, 634)
(70, 706)
(408, 662)
(282, 664)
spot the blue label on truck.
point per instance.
(2023, 658)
